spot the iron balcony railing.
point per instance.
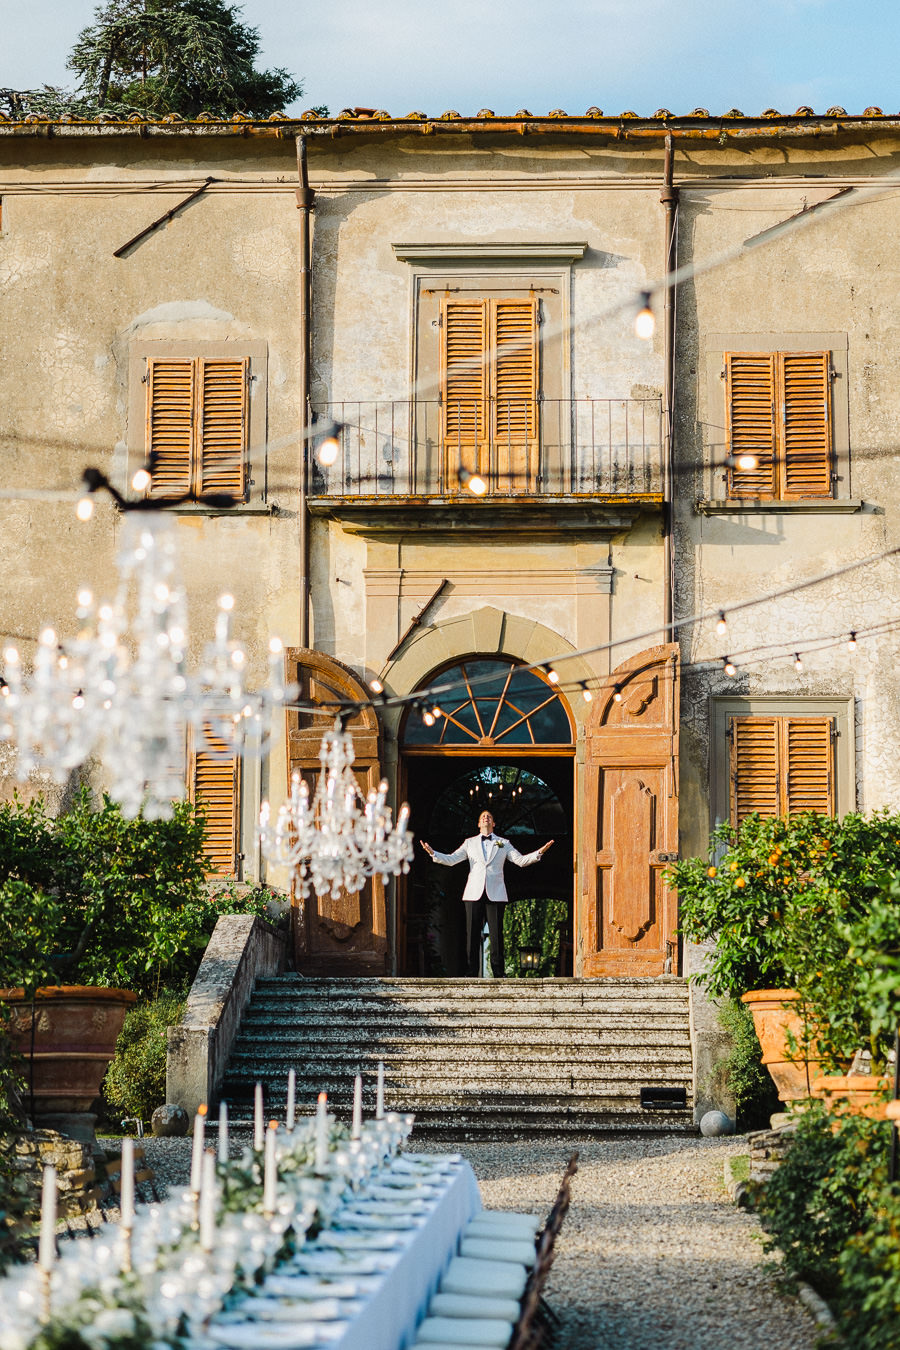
(545, 447)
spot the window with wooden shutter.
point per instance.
(780, 766)
(215, 786)
(197, 426)
(779, 412)
(489, 391)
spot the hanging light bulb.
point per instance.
(85, 508)
(645, 321)
(852, 643)
(729, 667)
(376, 686)
(722, 625)
(617, 694)
(552, 675)
(328, 451)
(586, 693)
(428, 718)
(746, 462)
(141, 480)
(473, 482)
(437, 712)
(798, 664)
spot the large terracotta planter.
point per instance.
(75, 1032)
(862, 1094)
(775, 1015)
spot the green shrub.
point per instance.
(135, 1082)
(533, 923)
(743, 1073)
(93, 898)
(828, 1189)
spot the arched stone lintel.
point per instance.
(484, 632)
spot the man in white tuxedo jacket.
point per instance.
(485, 893)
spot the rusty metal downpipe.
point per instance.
(305, 205)
(669, 199)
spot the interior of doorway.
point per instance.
(531, 799)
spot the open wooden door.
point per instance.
(627, 915)
(347, 936)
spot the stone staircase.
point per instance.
(477, 1059)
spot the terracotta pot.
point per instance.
(75, 1032)
(862, 1094)
(774, 1016)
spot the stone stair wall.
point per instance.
(471, 1058)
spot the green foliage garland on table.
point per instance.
(533, 923)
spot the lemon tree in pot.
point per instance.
(94, 910)
(783, 901)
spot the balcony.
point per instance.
(407, 454)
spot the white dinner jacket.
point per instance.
(486, 874)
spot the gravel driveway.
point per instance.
(653, 1253)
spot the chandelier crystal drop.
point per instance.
(120, 690)
(336, 840)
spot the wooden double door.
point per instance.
(625, 915)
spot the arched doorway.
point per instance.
(494, 735)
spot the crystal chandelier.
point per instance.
(120, 689)
(336, 840)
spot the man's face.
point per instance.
(486, 823)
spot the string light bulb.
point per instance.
(746, 462)
(473, 482)
(729, 667)
(852, 643)
(722, 625)
(798, 664)
(141, 480)
(85, 508)
(552, 675)
(617, 694)
(376, 686)
(645, 320)
(586, 693)
(437, 712)
(428, 718)
(328, 449)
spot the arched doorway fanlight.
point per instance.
(489, 702)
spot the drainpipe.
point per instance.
(669, 199)
(305, 204)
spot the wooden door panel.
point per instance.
(347, 934)
(626, 913)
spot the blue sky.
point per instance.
(404, 55)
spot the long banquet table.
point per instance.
(386, 1314)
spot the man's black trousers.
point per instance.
(476, 913)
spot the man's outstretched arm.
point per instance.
(448, 859)
(526, 859)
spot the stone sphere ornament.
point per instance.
(169, 1122)
(712, 1125)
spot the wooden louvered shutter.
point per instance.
(750, 400)
(514, 371)
(170, 426)
(805, 399)
(215, 785)
(807, 765)
(223, 389)
(464, 388)
(754, 767)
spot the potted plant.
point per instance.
(785, 900)
(94, 909)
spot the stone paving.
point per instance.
(652, 1254)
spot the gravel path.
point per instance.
(652, 1254)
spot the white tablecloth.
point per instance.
(395, 1309)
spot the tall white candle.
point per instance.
(270, 1174)
(126, 1186)
(356, 1129)
(258, 1117)
(47, 1248)
(208, 1198)
(197, 1151)
(291, 1100)
(223, 1132)
(321, 1159)
(379, 1092)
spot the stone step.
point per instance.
(481, 991)
(276, 1012)
(352, 1061)
(447, 986)
(374, 1045)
